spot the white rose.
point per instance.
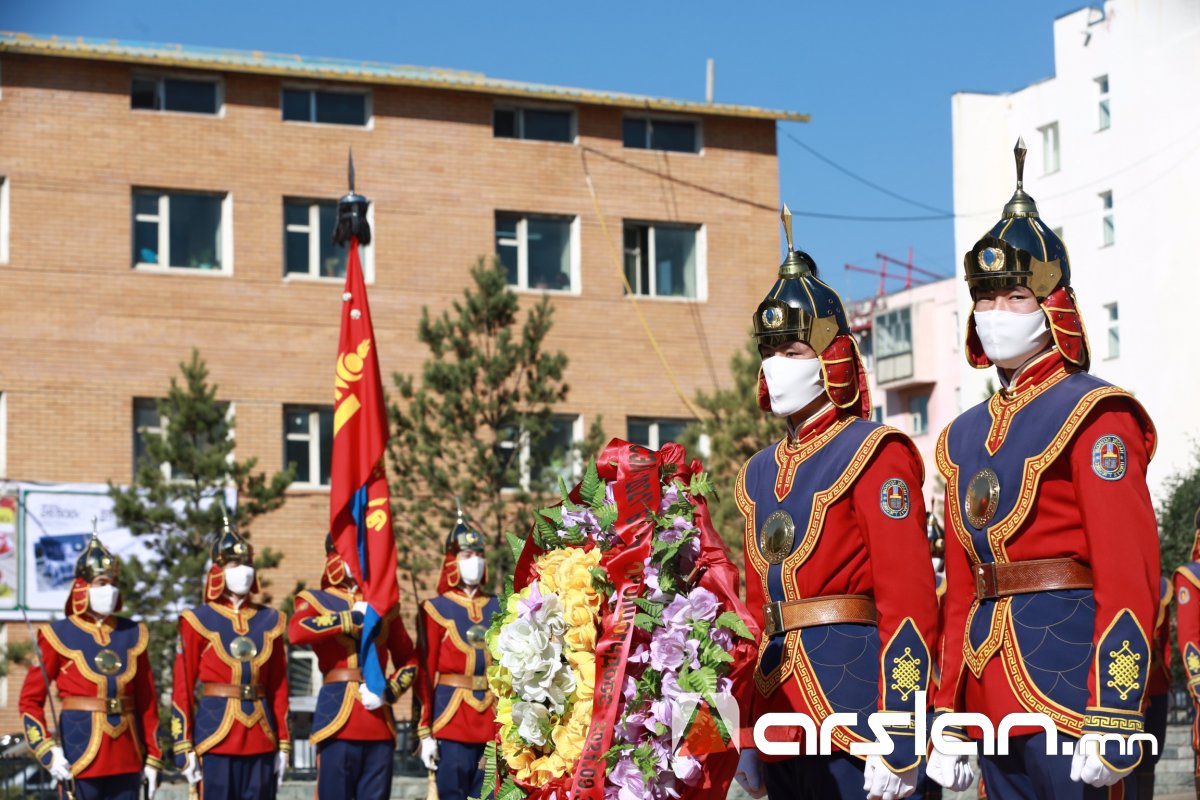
(552, 686)
(531, 720)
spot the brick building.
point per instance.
(158, 198)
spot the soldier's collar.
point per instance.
(815, 425)
(1031, 373)
(99, 630)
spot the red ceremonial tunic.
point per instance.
(1070, 510)
(96, 744)
(448, 712)
(324, 620)
(230, 726)
(865, 535)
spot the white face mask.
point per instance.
(239, 579)
(103, 599)
(792, 383)
(1009, 338)
(470, 569)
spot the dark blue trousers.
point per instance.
(238, 777)
(1156, 723)
(1027, 773)
(350, 770)
(835, 777)
(458, 772)
(110, 787)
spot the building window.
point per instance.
(1114, 331)
(543, 124)
(918, 414)
(308, 442)
(146, 419)
(659, 133)
(654, 433)
(180, 230)
(1106, 203)
(191, 95)
(662, 260)
(1049, 148)
(538, 252)
(309, 248)
(537, 465)
(3, 219)
(877, 414)
(893, 345)
(1104, 118)
(325, 106)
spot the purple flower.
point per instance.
(582, 518)
(526, 609)
(724, 686)
(670, 686)
(628, 780)
(660, 714)
(691, 653)
(701, 604)
(688, 555)
(670, 497)
(667, 649)
(639, 655)
(722, 638)
(655, 594)
(686, 769)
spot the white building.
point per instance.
(1114, 165)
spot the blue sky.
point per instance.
(876, 78)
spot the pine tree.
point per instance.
(486, 391)
(181, 514)
(736, 429)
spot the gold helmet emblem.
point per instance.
(96, 561)
(229, 545)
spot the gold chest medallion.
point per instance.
(983, 497)
(243, 648)
(475, 636)
(777, 536)
(108, 662)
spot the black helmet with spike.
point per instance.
(96, 560)
(230, 545)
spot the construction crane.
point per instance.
(924, 275)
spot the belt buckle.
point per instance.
(985, 582)
(112, 705)
(773, 618)
(479, 683)
(247, 691)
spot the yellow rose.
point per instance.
(581, 639)
(576, 611)
(585, 680)
(547, 568)
(504, 711)
(576, 658)
(568, 744)
(500, 679)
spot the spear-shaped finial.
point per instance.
(352, 211)
(1021, 204)
(793, 265)
(95, 527)
(786, 216)
(225, 526)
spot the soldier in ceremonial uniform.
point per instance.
(457, 714)
(837, 557)
(1051, 541)
(98, 662)
(353, 727)
(230, 731)
(1187, 620)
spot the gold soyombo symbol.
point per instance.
(349, 370)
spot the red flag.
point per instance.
(359, 504)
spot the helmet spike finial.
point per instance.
(786, 216)
(793, 266)
(1021, 204)
(350, 169)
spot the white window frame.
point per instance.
(1051, 157)
(368, 106)
(650, 118)
(314, 444)
(1112, 320)
(4, 202)
(159, 77)
(366, 252)
(915, 424)
(163, 220)
(1103, 108)
(522, 245)
(1108, 228)
(701, 232)
(230, 413)
(525, 457)
(653, 424)
(519, 123)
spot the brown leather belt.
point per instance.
(476, 683)
(343, 675)
(105, 705)
(248, 691)
(1023, 577)
(782, 616)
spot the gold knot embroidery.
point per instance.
(1124, 670)
(906, 673)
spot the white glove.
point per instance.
(191, 768)
(60, 770)
(880, 783)
(151, 776)
(360, 607)
(749, 774)
(952, 772)
(369, 699)
(1088, 768)
(281, 765)
(429, 752)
